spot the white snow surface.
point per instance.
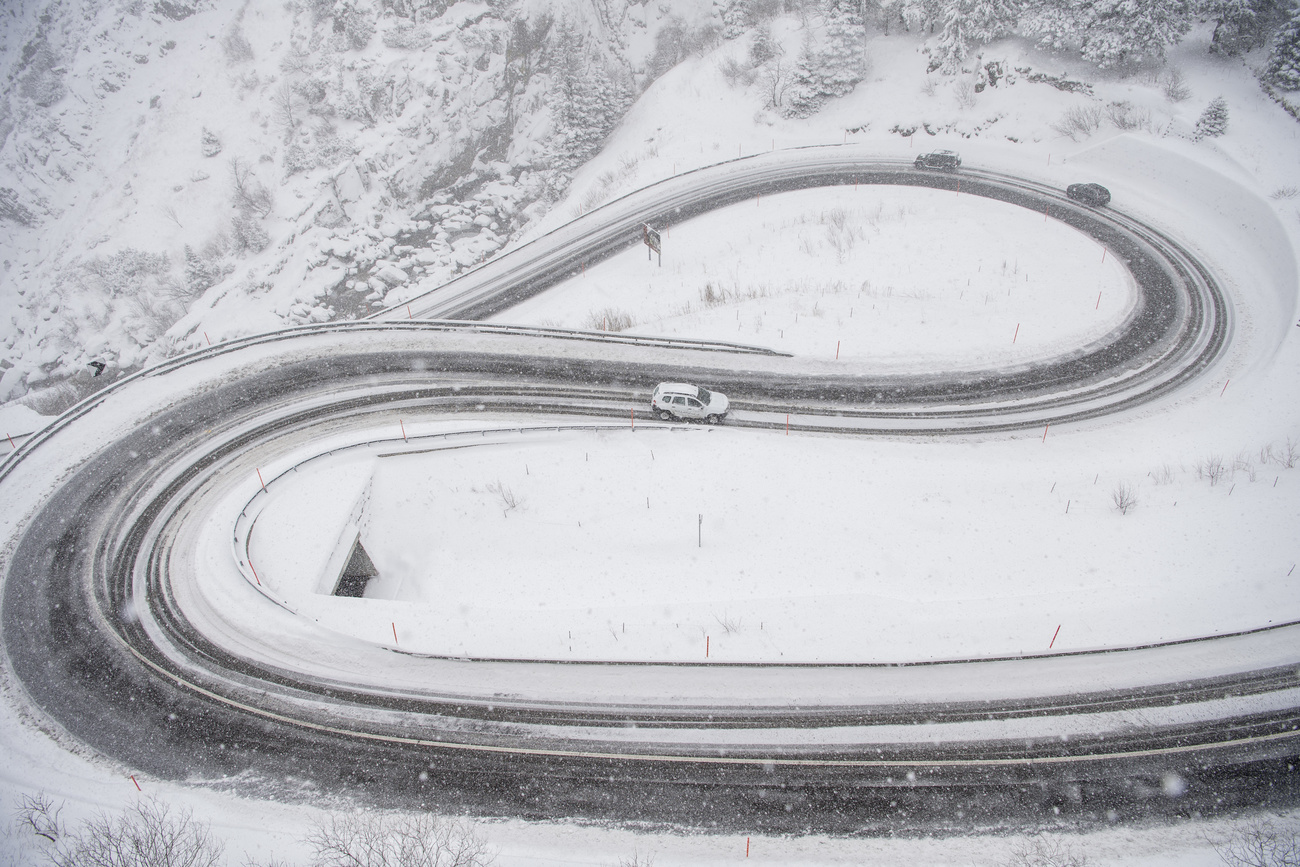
(850, 549)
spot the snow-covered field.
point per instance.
(821, 548)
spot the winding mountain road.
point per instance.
(128, 633)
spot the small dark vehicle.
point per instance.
(1090, 194)
(943, 161)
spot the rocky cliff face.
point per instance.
(178, 172)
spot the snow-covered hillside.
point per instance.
(175, 173)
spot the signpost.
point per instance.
(650, 236)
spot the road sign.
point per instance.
(650, 236)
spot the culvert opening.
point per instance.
(356, 573)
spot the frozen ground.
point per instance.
(975, 530)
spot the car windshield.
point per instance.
(705, 397)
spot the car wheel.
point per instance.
(713, 419)
(665, 415)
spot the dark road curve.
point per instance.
(148, 689)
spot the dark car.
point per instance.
(944, 161)
(1090, 194)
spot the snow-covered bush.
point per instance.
(1174, 85)
(209, 143)
(1213, 122)
(236, 45)
(1079, 120)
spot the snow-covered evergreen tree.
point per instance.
(1283, 68)
(1109, 32)
(1242, 25)
(920, 16)
(804, 96)
(1213, 122)
(736, 18)
(588, 97)
(967, 23)
(843, 60)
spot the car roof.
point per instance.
(678, 388)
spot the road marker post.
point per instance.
(254, 568)
(706, 647)
(395, 641)
(404, 439)
(11, 441)
(1097, 306)
(1225, 388)
(207, 338)
(1045, 427)
(1017, 334)
(1054, 634)
(137, 783)
(259, 479)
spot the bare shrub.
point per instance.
(1243, 464)
(609, 319)
(1284, 193)
(250, 194)
(728, 623)
(1211, 469)
(1261, 844)
(1042, 852)
(1080, 120)
(396, 841)
(509, 501)
(1124, 498)
(636, 859)
(1287, 455)
(775, 80)
(1124, 115)
(148, 834)
(965, 93)
(1175, 86)
(40, 814)
(736, 73)
(1164, 475)
(929, 86)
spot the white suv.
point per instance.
(679, 400)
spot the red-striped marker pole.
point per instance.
(787, 424)
(259, 479)
(207, 338)
(1098, 304)
(254, 568)
(1017, 334)
(137, 783)
(837, 350)
(1103, 255)
(632, 413)
(1045, 427)
(746, 847)
(408, 312)
(395, 633)
(1054, 634)
(399, 421)
(11, 441)
(1225, 388)
(706, 647)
